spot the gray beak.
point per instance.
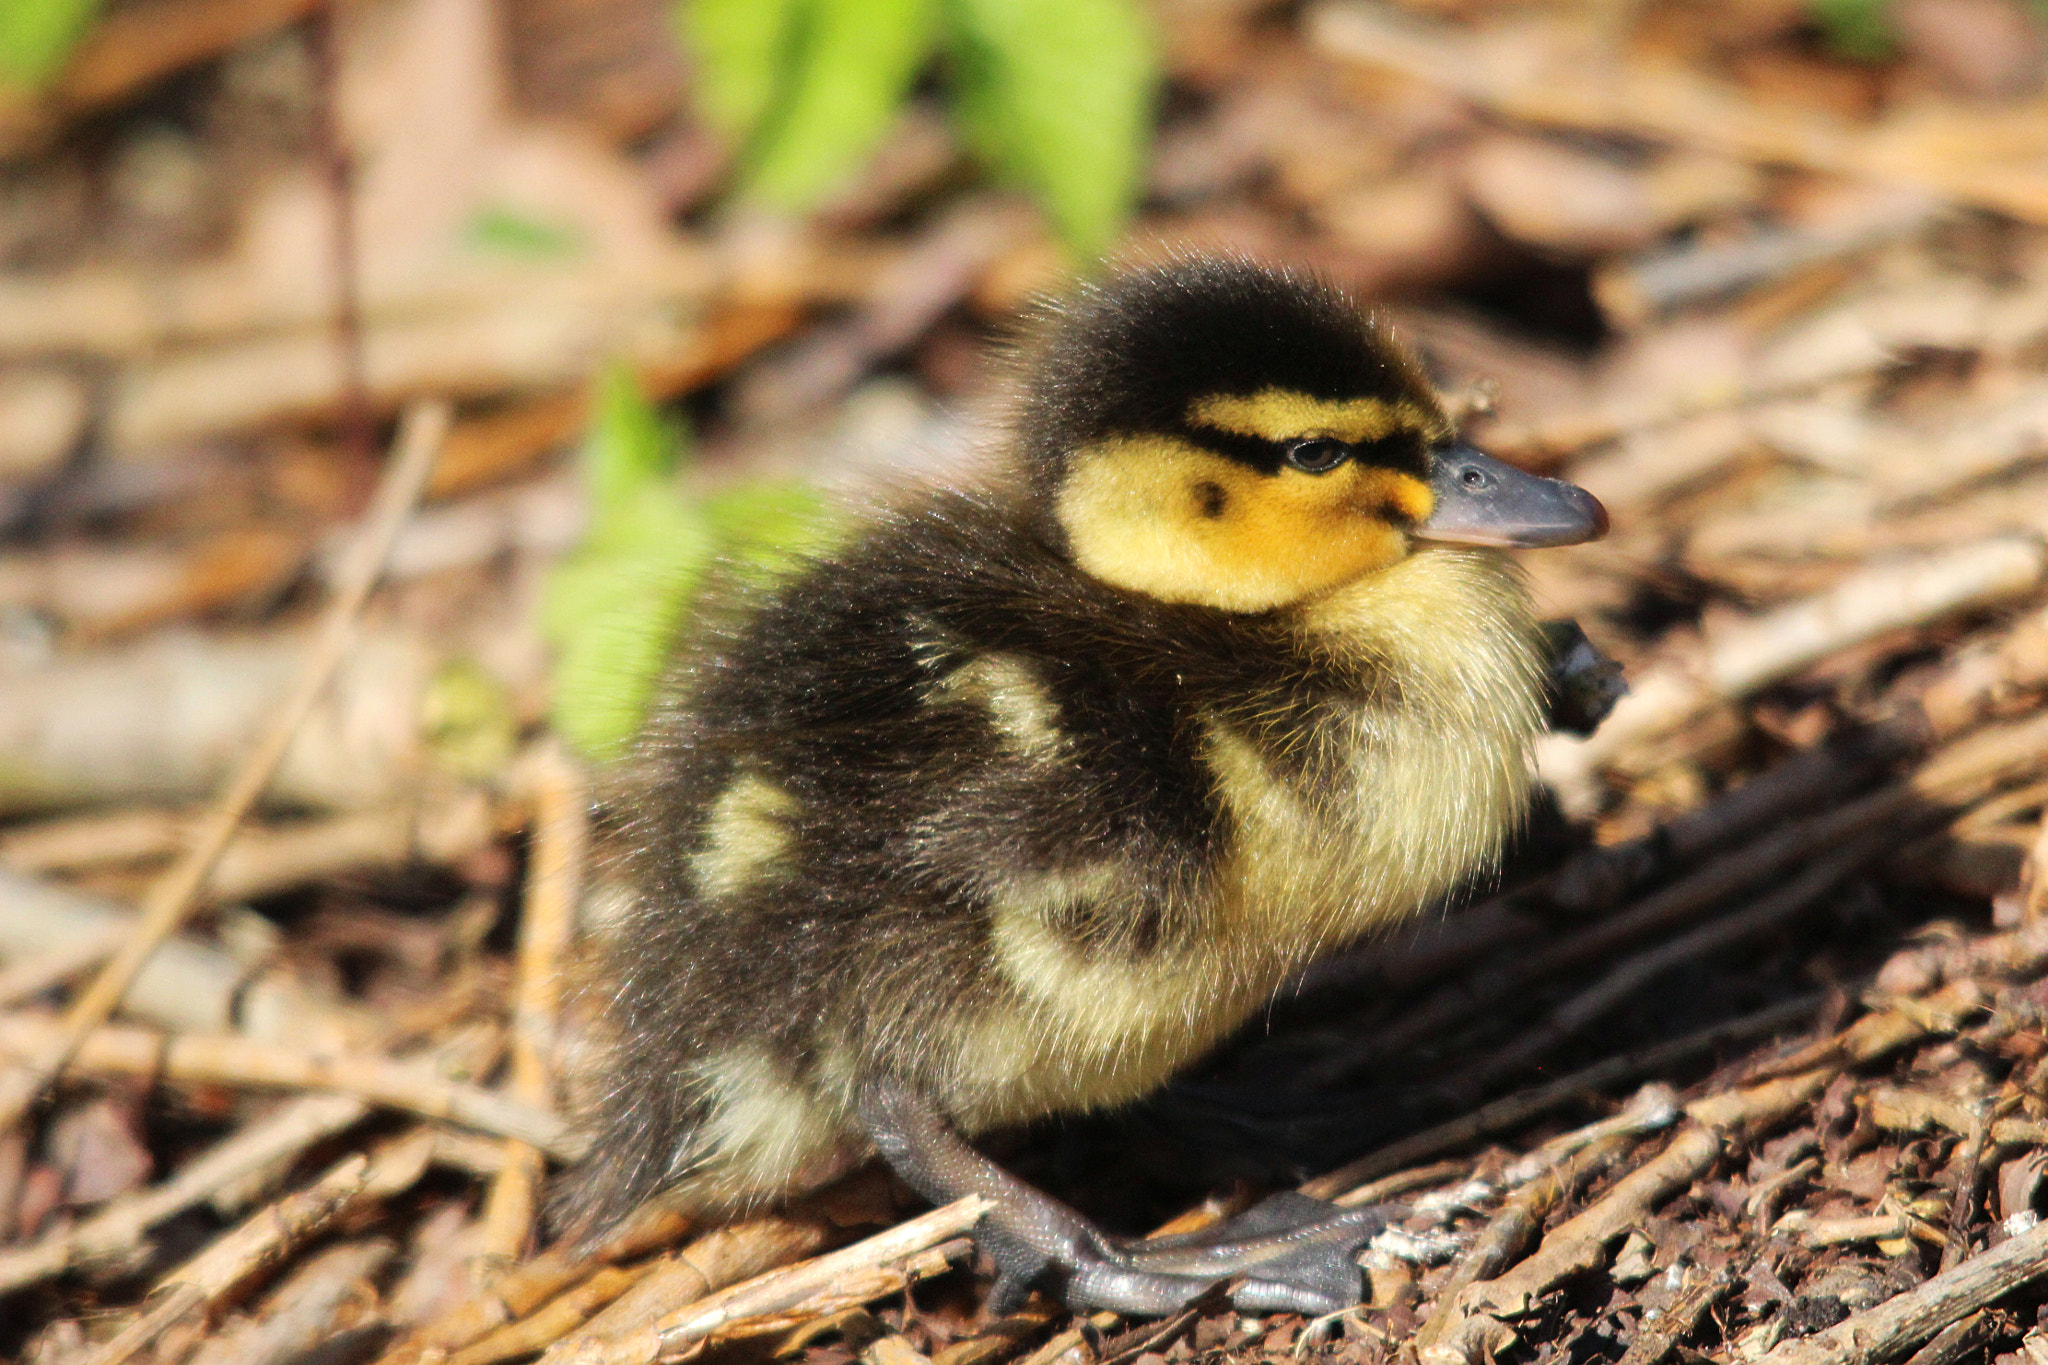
(1482, 501)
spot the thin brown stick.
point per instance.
(780, 1289)
(679, 1332)
(303, 1310)
(1952, 1342)
(1897, 1324)
(848, 1291)
(997, 1340)
(1882, 1031)
(1400, 1183)
(187, 985)
(1962, 1209)
(724, 1257)
(31, 976)
(1475, 1325)
(1655, 1106)
(172, 898)
(268, 1236)
(556, 1319)
(130, 47)
(532, 1288)
(894, 1350)
(337, 169)
(1478, 1321)
(123, 1223)
(415, 1085)
(1914, 1111)
(1517, 1224)
(1076, 1345)
(561, 840)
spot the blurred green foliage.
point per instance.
(613, 608)
(1858, 29)
(508, 232)
(1862, 30)
(1056, 95)
(468, 721)
(807, 86)
(37, 35)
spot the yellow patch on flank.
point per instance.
(1285, 415)
(764, 1132)
(1017, 702)
(1165, 518)
(1083, 1031)
(747, 837)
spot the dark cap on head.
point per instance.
(1132, 353)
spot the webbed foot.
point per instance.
(1289, 1253)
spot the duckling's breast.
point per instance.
(1399, 778)
(1406, 786)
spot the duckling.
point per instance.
(1031, 794)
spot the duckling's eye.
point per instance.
(1318, 456)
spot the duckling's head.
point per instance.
(1223, 433)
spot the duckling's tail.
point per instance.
(645, 1142)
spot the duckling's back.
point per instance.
(947, 810)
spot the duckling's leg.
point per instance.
(1295, 1253)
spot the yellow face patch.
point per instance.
(1161, 517)
(1285, 415)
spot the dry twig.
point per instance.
(1897, 1324)
(172, 898)
(267, 1237)
(415, 1086)
(123, 1224)
(561, 834)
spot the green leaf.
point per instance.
(852, 63)
(514, 234)
(613, 608)
(1059, 94)
(37, 35)
(766, 527)
(612, 615)
(1860, 30)
(743, 49)
(631, 452)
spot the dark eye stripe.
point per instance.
(1406, 452)
(1262, 455)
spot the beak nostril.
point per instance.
(1481, 501)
